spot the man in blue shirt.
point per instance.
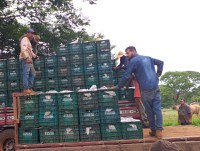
(143, 68)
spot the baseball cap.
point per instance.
(30, 30)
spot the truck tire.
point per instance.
(7, 141)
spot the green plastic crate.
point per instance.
(51, 71)
(62, 60)
(132, 130)
(3, 63)
(39, 63)
(69, 133)
(89, 47)
(75, 48)
(103, 44)
(39, 82)
(91, 79)
(12, 73)
(29, 118)
(89, 58)
(88, 99)
(64, 82)
(67, 101)
(62, 50)
(90, 67)
(50, 61)
(13, 64)
(29, 103)
(78, 81)
(126, 94)
(48, 101)
(77, 68)
(3, 74)
(51, 82)
(90, 133)
(110, 114)
(13, 84)
(3, 84)
(28, 135)
(108, 97)
(39, 72)
(68, 117)
(89, 116)
(104, 56)
(76, 58)
(63, 71)
(111, 131)
(48, 118)
(49, 135)
(106, 79)
(104, 66)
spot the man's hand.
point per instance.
(115, 68)
(114, 87)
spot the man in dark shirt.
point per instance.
(123, 61)
(143, 68)
(184, 113)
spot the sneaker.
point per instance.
(27, 91)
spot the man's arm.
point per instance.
(24, 47)
(160, 65)
(127, 75)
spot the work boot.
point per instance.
(152, 133)
(27, 91)
(159, 134)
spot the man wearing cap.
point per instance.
(143, 68)
(26, 56)
(123, 61)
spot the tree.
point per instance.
(57, 21)
(179, 84)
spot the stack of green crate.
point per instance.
(117, 75)
(13, 78)
(104, 63)
(48, 118)
(3, 83)
(76, 65)
(63, 72)
(51, 79)
(68, 117)
(89, 116)
(39, 83)
(28, 128)
(90, 64)
(110, 115)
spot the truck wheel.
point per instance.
(7, 141)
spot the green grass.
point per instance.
(170, 118)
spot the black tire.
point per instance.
(7, 140)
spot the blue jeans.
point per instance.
(28, 75)
(152, 103)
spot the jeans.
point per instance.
(152, 103)
(28, 75)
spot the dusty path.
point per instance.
(177, 131)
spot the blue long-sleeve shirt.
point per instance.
(143, 68)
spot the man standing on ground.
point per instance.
(26, 56)
(184, 113)
(143, 68)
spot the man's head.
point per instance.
(30, 33)
(130, 51)
(182, 101)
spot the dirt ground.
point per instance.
(177, 131)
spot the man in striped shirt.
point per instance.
(26, 57)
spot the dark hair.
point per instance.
(183, 100)
(131, 48)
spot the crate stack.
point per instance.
(68, 117)
(89, 116)
(77, 67)
(90, 64)
(3, 83)
(13, 79)
(104, 63)
(29, 120)
(110, 115)
(117, 75)
(39, 83)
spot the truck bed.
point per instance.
(187, 137)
